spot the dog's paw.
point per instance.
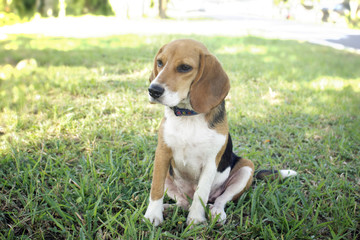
(154, 212)
(195, 220)
(195, 217)
(218, 211)
(154, 216)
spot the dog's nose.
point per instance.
(155, 90)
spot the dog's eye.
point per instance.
(160, 63)
(183, 68)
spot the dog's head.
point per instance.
(185, 72)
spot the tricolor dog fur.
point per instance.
(194, 157)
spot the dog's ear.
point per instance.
(210, 86)
(154, 72)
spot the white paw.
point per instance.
(195, 217)
(195, 220)
(154, 212)
(218, 211)
(155, 217)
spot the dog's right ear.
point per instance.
(155, 72)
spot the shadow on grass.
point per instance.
(88, 53)
(292, 59)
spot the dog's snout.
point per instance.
(155, 90)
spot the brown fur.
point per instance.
(163, 157)
(221, 152)
(221, 127)
(211, 88)
(240, 164)
(207, 83)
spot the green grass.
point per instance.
(77, 139)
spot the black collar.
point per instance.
(183, 112)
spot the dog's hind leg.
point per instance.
(174, 193)
(240, 180)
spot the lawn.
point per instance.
(77, 139)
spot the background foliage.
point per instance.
(12, 11)
(18, 10)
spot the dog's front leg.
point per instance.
(163, 156)
(201, 195)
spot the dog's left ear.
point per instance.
(210, 86)
(154, 72)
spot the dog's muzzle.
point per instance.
(155, 91)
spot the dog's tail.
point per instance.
(274, 174)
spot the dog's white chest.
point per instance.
(192, 142)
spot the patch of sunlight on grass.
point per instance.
(257, 50)
(273, 97)
(331, 83)
(241, 48)
(140, 74)
(3, 36)
(269, 59)
(11, 46)
(56, 44)
(230, 49)
(5, 71)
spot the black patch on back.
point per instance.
(218, 116)
(228, 159)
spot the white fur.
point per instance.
(287, 173)
(194, 146)
(241, 178)
(169, 98)
(220, 179)
(154, 211)
(201, 195)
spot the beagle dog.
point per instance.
(194, 157)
